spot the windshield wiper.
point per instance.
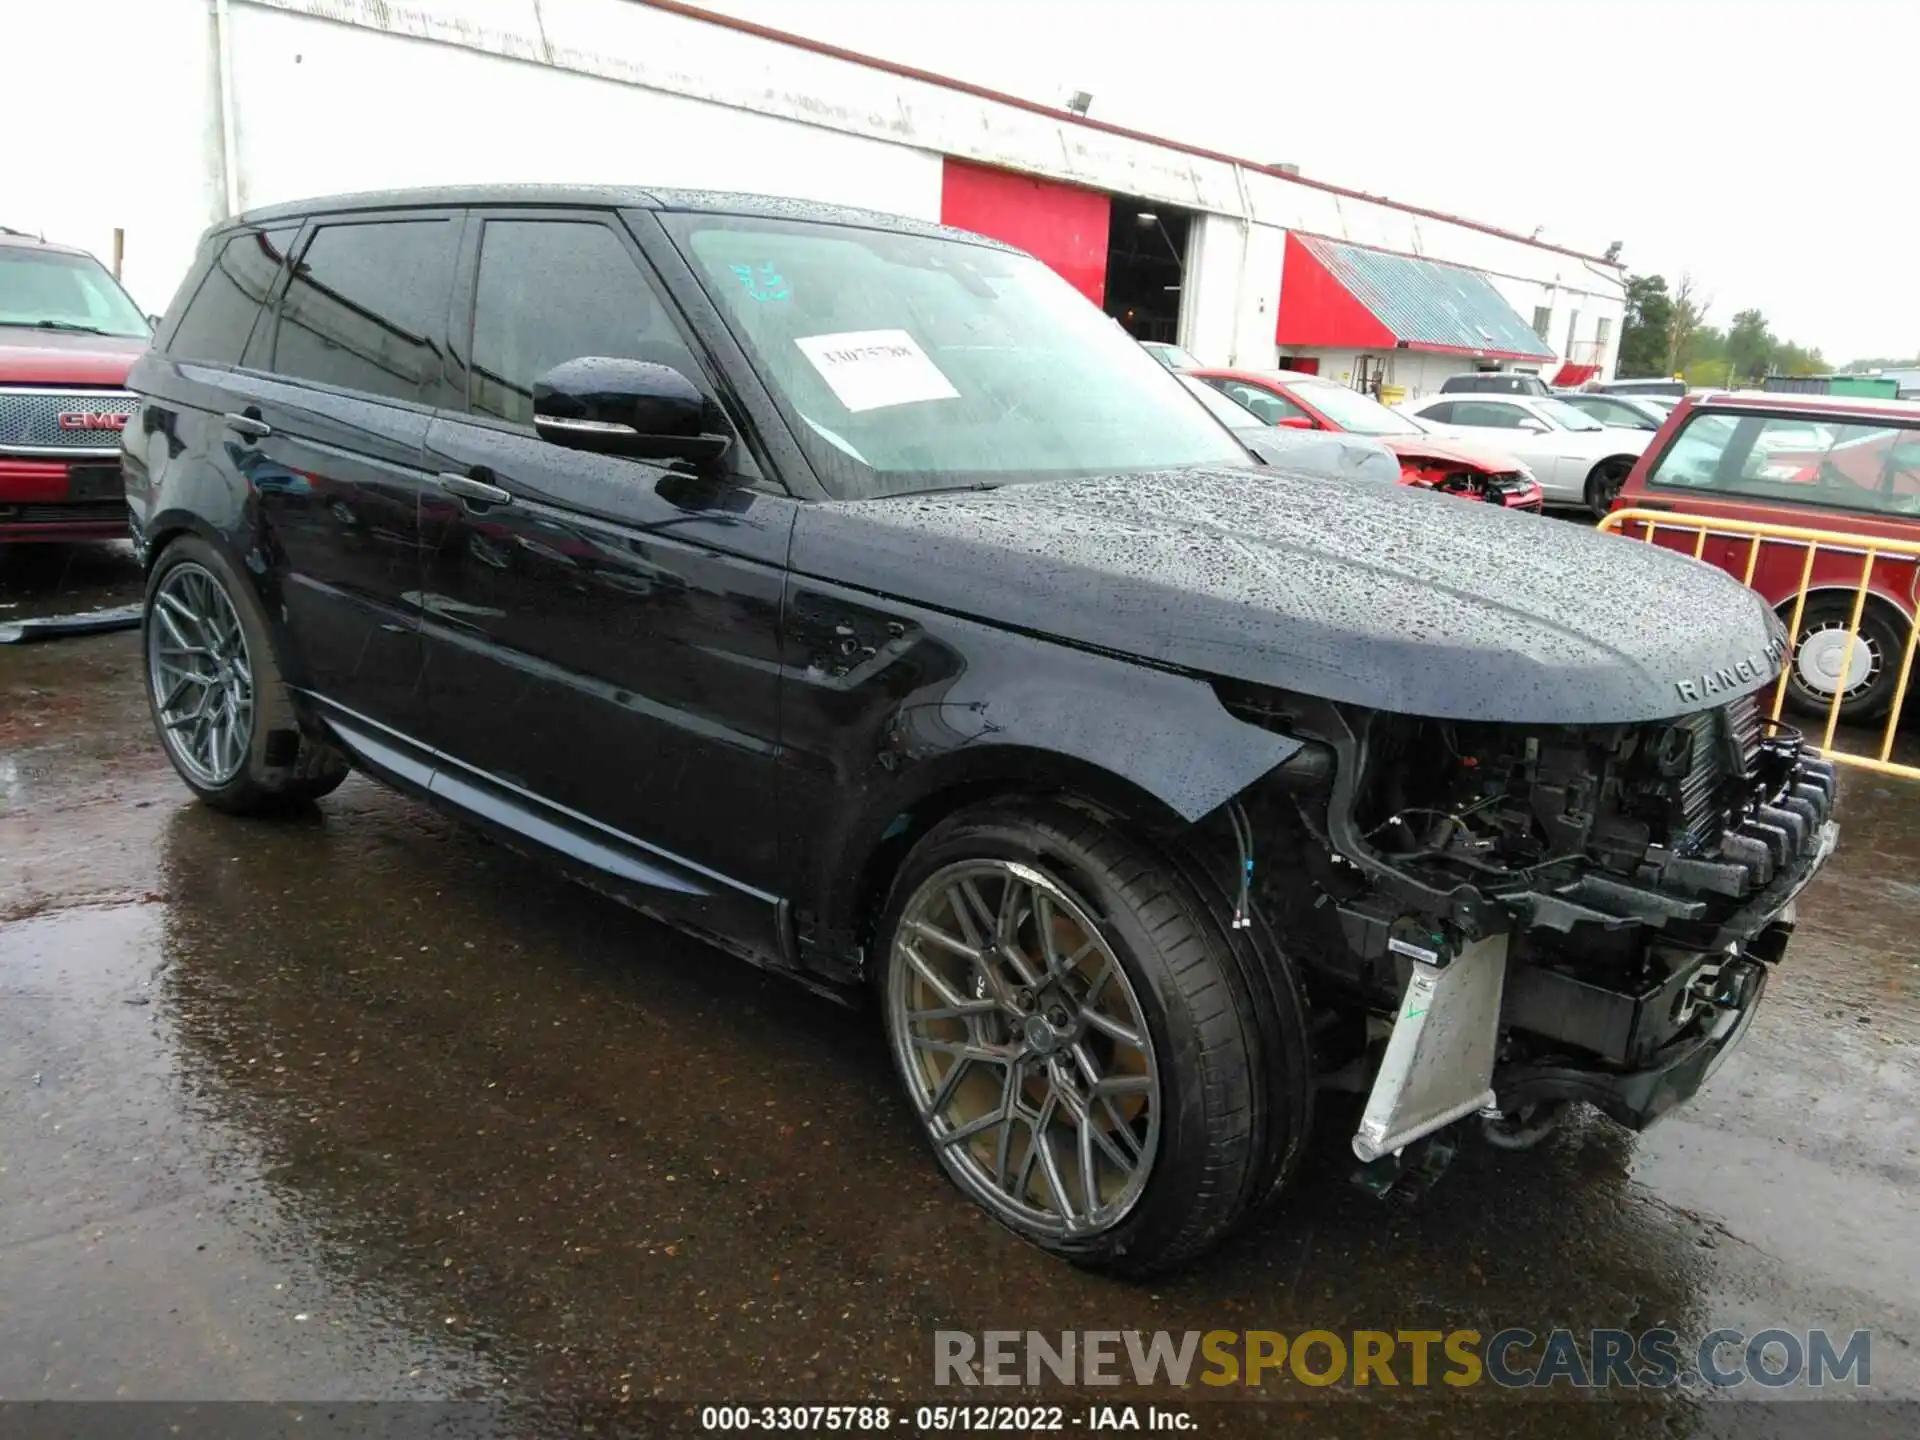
(67, 325)
(971, 485)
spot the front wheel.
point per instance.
(1821, 662)
(1075, 1037)
(214, 687)
(1604, 485)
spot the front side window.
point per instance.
(218, 320)
(1171, 356)
(1488, 414)
(366, 307)
(1269, 407)
(1354, 412)
(1228, 411)
(1608, 412)
(911, 362)
(1564, 415)
(556, 290)
(1860, 465)
(53, 290)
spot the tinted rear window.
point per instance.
(218, 320)
(366, 307)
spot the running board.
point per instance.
(1439, 1062)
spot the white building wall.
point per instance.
(452, 114)
(336, 95)
(1232, 289)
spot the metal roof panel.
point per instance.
(1428, 302)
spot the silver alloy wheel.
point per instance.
(201, 675)
(1823, 650)
(1025, 1049)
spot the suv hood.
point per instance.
(63, 357)
(1382, 596)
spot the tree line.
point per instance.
(1666, 332)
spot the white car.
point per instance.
(1576, 459)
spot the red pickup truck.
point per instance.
(68, 335)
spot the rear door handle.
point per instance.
(250, 426)
(478, 491)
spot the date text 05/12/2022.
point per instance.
(938, 1419)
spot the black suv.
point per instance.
(1494, 382)
(851, 592)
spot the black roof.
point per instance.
(606, 197)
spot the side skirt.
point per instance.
(748, 923)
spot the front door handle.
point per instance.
(477, 491)
(250, 426)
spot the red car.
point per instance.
(68, 335)
(1818, 462)
(1298, 401)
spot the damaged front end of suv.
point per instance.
(1530, 915)
(1478, 815)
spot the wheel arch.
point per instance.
(167, 527)
(1620, 459)
(879, 840)
(250, 562)
(1899, 613)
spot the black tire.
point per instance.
(1884, 647)
(1604, 482)
(1207, 1165)
(1286, 1070)
(281, 768)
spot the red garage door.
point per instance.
(1061, 224)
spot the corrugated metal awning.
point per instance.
(1337, 294)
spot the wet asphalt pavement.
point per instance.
(359, 1106)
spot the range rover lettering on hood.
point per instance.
(1733, 679)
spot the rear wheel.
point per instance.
(1821, 662)
(1078, 1043)
(218, 702)
(1605, 482)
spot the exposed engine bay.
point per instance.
(1548, 913)
(1509, 489)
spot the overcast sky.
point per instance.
(1765, 146)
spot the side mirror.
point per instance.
(627, 407)
(1296, 422)
(1535, 427)
(153, 321)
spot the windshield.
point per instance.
(1356, 413)
(55, 291)
(1225, 408)
(1565, 415)
(908, 362)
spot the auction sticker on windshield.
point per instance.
(871, 369)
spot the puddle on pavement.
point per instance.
(144, 1250)
(38, 580)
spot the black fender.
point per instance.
(893, 715)
(186, 473)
